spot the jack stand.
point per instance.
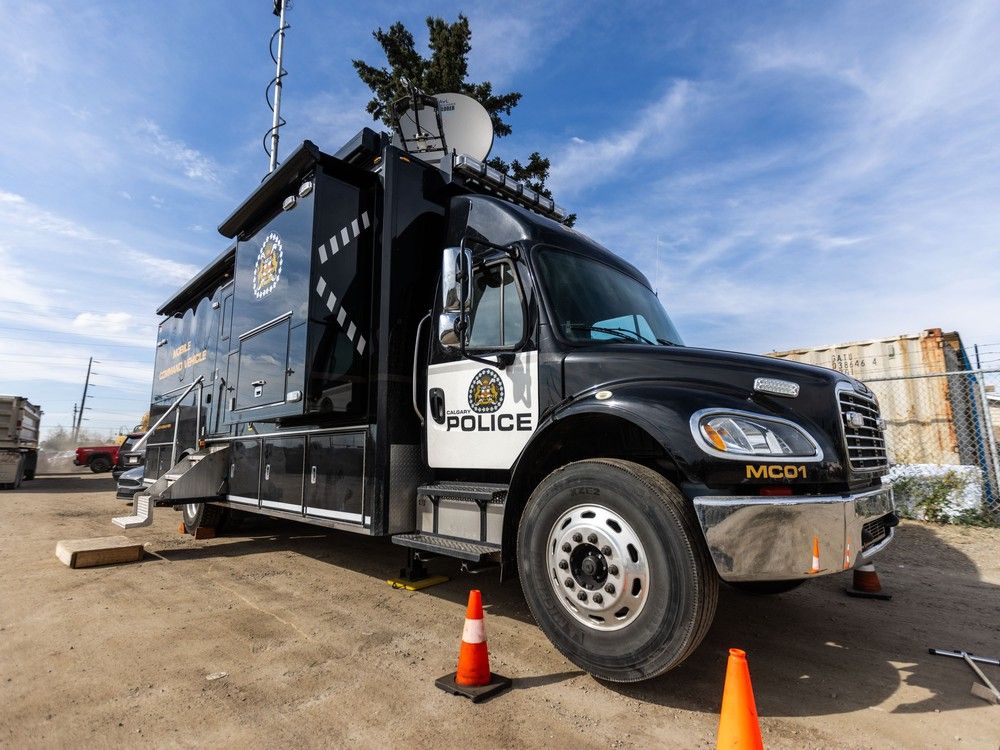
(415, 575)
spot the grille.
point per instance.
(865, 444)
(874, 532)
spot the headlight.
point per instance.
(742, 435)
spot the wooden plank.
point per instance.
(107, 550)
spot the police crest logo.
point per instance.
(267, 269)
(486, 391)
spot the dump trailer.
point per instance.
(19, 427)
(392, 347)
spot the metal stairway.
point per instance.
(195, 478)
(458, 519)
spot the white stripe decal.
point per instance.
(344, 237)
(320, 285)
(355, 229)
(341, 316)
(334, 247)
(351, 330)
(322, 253)
(332, 301)
(361, 344)
(364, 220)
(474, 631)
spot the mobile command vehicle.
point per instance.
(19, 429)
(393, 346)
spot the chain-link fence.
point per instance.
(942, 432)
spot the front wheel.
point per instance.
(614, 569)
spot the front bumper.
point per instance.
(755, 538)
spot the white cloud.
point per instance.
(583, 163)
(194, 164)
(108, 323)
(158, 267)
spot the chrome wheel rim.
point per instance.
(598, 567)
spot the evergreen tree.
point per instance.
(446, 69)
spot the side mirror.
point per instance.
(456, 295)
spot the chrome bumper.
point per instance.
(755, 538)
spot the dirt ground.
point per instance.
(316, 650)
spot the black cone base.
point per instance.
(851, 591)
(497, 684)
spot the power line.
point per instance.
(90, 342)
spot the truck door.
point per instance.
(480, 415)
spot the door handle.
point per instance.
(437, 405)
(258, 382)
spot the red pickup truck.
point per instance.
(98, 457)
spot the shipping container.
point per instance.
(931, 417)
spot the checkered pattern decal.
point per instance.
(339, 240)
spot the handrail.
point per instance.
(165, 414)
(416, 359)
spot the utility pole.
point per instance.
(73, 425)
(83, 401)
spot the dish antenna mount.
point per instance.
(433, 127)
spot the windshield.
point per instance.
(591, 301)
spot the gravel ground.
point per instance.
(288, 635)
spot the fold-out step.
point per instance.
(441, 545)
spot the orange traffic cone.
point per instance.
(473, 678)
(739, 728)
(866, 583)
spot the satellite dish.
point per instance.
(466, 125)
(443, 124)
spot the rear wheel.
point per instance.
(614, 569)
(200, 514)
(100, 464)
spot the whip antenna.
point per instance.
(280, 6)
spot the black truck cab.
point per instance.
(425, 351)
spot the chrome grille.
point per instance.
(862, 434)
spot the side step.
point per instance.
(442, 545)
(143, 515)
(481, 491)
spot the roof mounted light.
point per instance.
(507, 187)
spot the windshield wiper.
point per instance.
(622, 333)
(665, 342)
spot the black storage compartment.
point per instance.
(334, 477)
(244, 471)
(281, 479)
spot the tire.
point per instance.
(200, 514)
(100, 464)
(664, 601)
(30, 465)
(765, 588)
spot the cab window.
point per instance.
(497, 316)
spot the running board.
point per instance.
(448, 547)
(480, 491)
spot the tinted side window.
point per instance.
(497, 319)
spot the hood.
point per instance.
(584, 369)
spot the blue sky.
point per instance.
(788, 174)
